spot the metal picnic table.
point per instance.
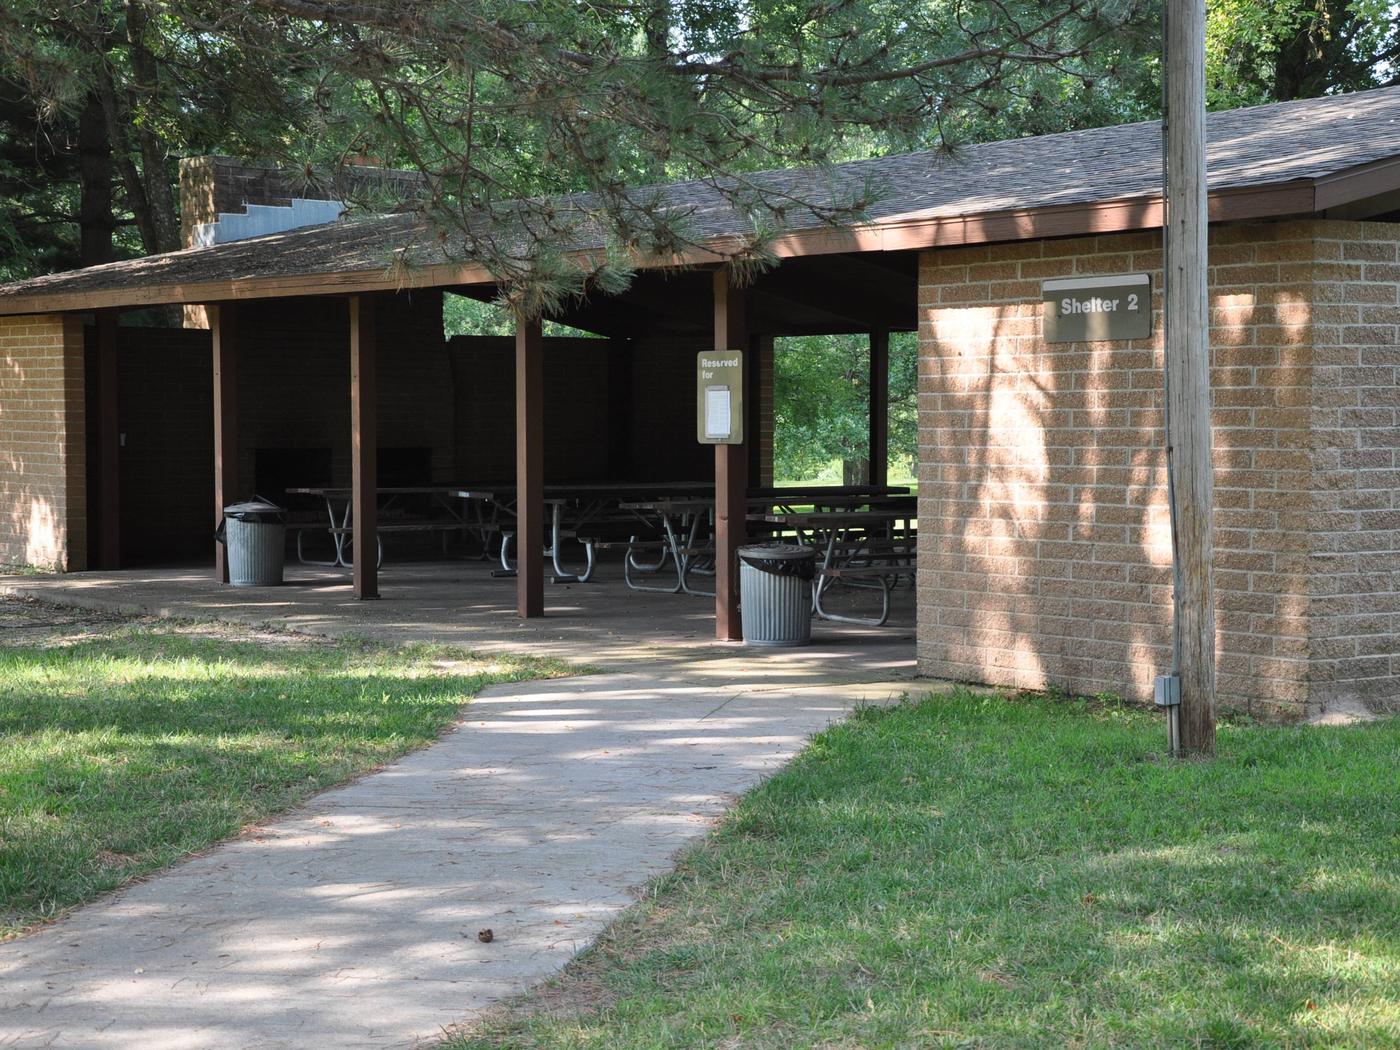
(341, 525)
(681, 518)
(572, 508)
(875, 559)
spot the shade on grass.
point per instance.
(977, 871)
(123, 753)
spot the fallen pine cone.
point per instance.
(485, 936)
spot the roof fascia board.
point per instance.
(1358, 183)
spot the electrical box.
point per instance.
(719, 397)
(1166, 690)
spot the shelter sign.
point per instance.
(719, 397)
(1087, 309)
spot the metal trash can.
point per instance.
(775, 593)
(255, 533)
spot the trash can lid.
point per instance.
(777, 551)
(253, 506)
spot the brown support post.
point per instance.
(223, 328)
(879, 407)
(364, 447)
(758, 402)
(529, 468)
(731, 472)
(109, 440)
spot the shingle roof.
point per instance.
(1283, 143)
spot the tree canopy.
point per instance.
(500, 100)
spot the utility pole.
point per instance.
(1187, 339)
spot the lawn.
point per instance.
(973, 871)
(126, 747)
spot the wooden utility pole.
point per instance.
(1187, 324)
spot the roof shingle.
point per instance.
(1255, 147)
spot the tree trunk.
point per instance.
(145, 88)
(855, 471)
(95, 219)
(118, 117)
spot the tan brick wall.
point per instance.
(1354, 511)
(42, 461)
(1045, 549)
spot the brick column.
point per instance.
(43, 468)
(1044, 546)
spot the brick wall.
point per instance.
(1354, 506)
(663, 414)
(294, 380)
(211, 184)
(43, 500)
(577, 407)
(1045, 549)
(620, 410)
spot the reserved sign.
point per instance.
(719, 397)
(1090, 309)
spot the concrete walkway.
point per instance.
(353, 922)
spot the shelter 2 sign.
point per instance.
(1088, 309)
(719, 397)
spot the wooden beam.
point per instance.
(731, 472)
(1187, 319)
(529, 469)
(223, 330)
(879, 406)
(109, 439)
(825, 284)
(364, 446)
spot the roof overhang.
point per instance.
(899, 233)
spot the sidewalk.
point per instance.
(353, 922)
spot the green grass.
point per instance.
(970, 871)
(122, 753)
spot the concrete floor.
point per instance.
(599, 623)
(352, 922)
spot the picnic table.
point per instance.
(681, 520)
(573, 509)
(861, 549)
(341, 527)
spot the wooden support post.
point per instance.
(109, 440)
(1187, 321)
(879, 407)
(364, 446)
(529, 468)
(758, 403)
(731, 472)
(223, 329)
